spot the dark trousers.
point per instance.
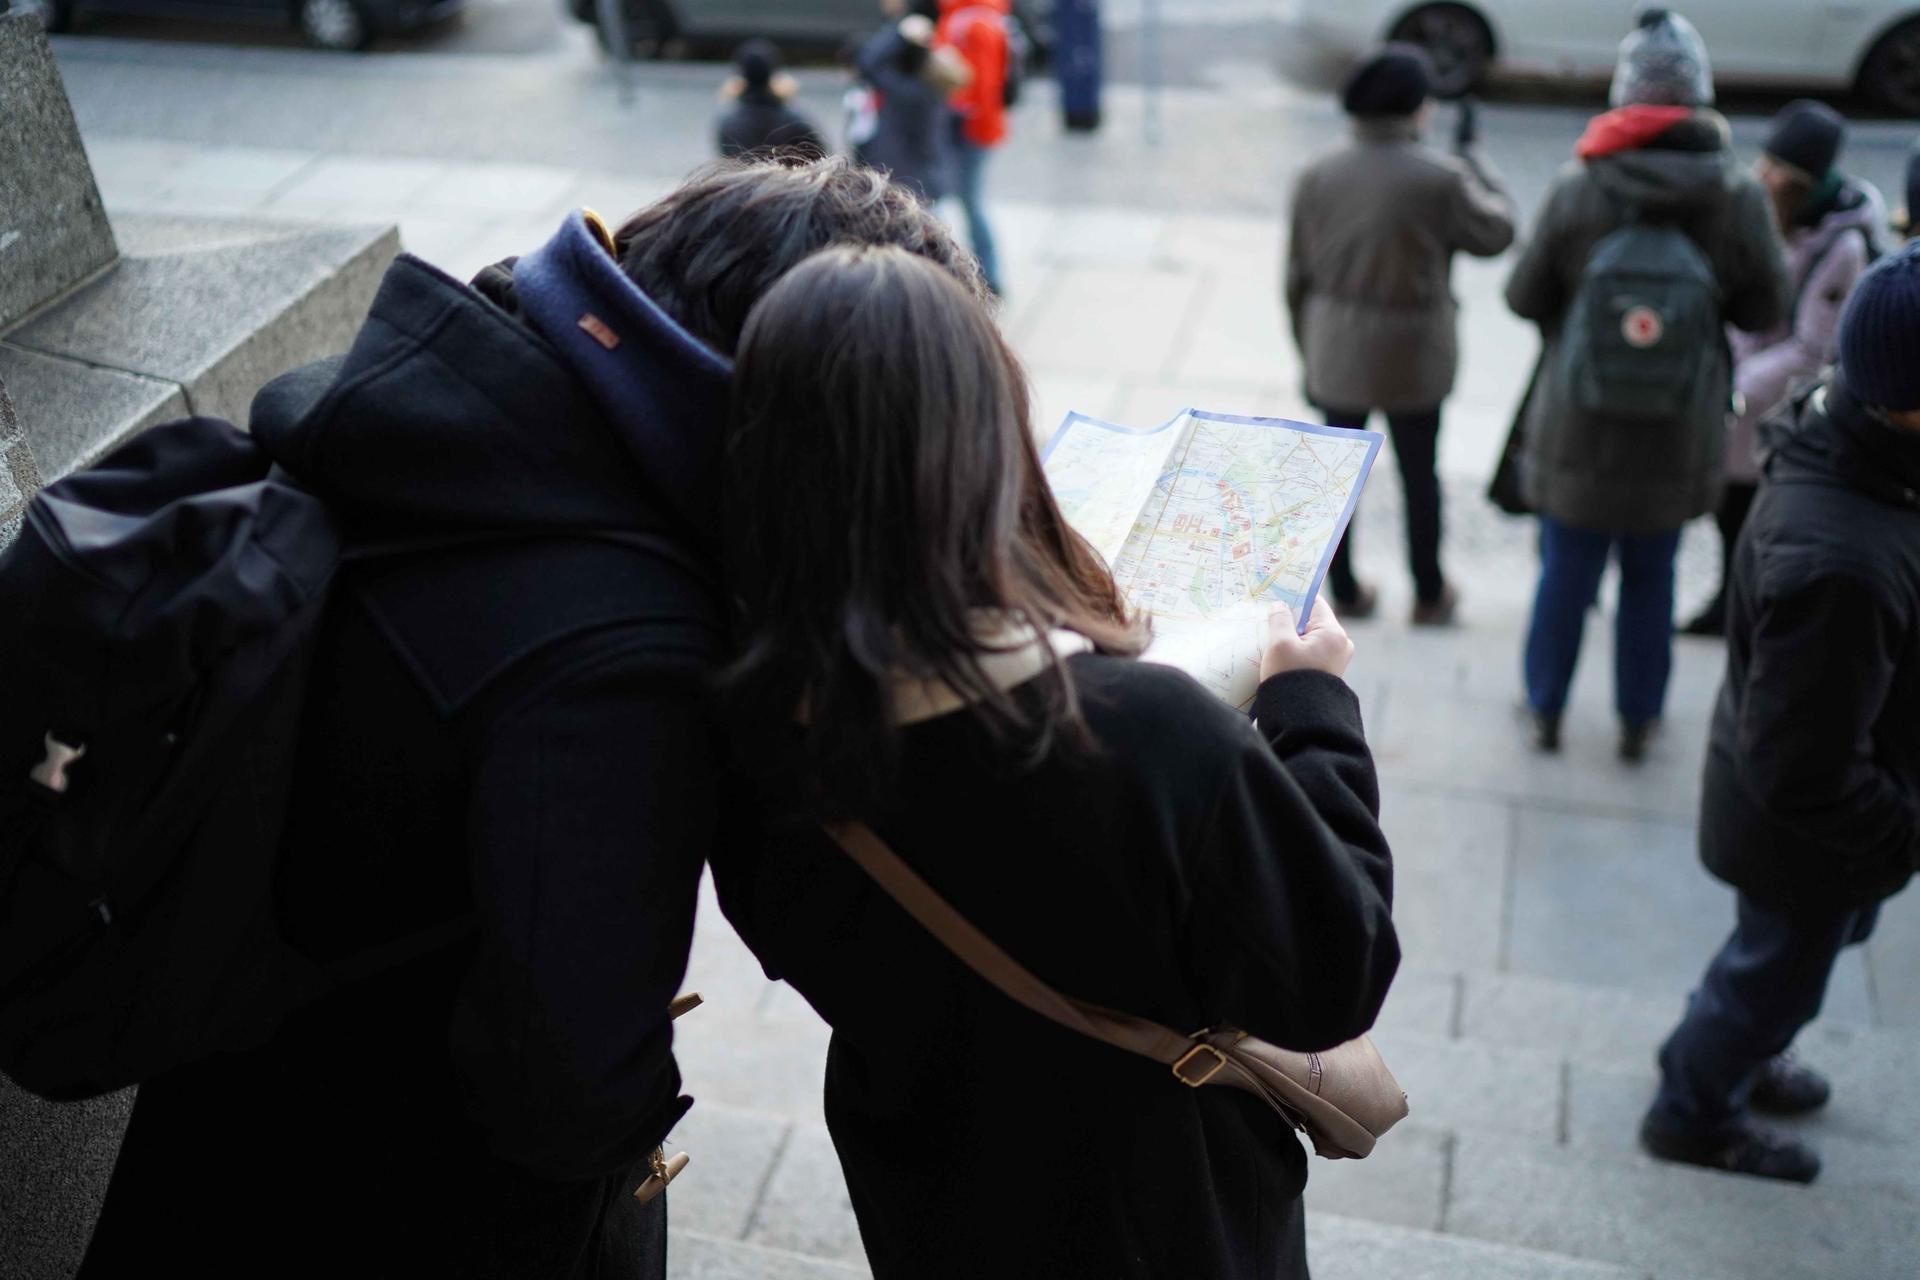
(1416, 439)
(1572, 562)
(1766, 983)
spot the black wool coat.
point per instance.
(515, 730)
(1190, 869)
(1812, 792)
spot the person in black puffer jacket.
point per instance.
(1811, 808)
(516, 730)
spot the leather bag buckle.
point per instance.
(1194, 1082)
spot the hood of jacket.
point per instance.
(951, 7)
(1853, 206)
(1657, 158)
(549, 396)
(1829, 435)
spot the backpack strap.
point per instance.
(1813, 269)
(1186, 1056)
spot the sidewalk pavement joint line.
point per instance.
(1563, 1112)
(280, 188)
(1449, 1148)
(1510, 872)
(1457, 1015)
(766, 1179)
(12, 343)
(1562, 806)
(1873, 986)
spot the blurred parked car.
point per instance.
(658, 26)
(1872, 46)
(330, 24)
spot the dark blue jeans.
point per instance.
(1572, 562)
(971, 162)
(1766, 983)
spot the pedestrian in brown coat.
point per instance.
(1375, 226)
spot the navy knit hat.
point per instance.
(1663, 63)
(1807, 136)
(1393, 80)
(1879, 332)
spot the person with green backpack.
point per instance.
(1647, 247)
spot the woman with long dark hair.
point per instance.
(928, 648)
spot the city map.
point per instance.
(1208, 520)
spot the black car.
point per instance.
(330, 24)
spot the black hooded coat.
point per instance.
(1812, 793)
(514, 728)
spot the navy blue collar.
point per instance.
(664, 391)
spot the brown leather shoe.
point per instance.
(1361, 607)
(1437, 613)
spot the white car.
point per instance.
(1872, 46)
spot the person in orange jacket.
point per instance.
(978, 31)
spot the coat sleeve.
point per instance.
(1806, 726)
(1754, 273)
(1482, 214)
(1291, 935)
(592, 812)
(1298, 280)
(1766, 376)
(1537, 289)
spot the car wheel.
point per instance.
(1890, 77)
(335, 24)
(53, 15)
(1456, 38)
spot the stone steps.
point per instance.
(1342, 1249)
(1526, 1096)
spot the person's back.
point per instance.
(1667, 167)
(760, 122)
(510, 725)
(912, 140)
(1133, 841)
(1375, 226)
(1833, 547)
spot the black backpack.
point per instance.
(1642, 321)
(157, 615)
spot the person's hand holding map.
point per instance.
(1208, 521)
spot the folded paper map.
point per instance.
(1208, 520)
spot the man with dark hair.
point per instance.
(508, 724)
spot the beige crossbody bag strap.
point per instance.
(979, 953)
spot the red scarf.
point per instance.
(1627, 128)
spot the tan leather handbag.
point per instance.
(1343, 1099)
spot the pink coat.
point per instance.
(1823, 261)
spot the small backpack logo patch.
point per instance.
(1642, 327)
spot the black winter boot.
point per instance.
(1760, 1153)
(1786, 1087)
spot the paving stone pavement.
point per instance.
(1553, 912)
